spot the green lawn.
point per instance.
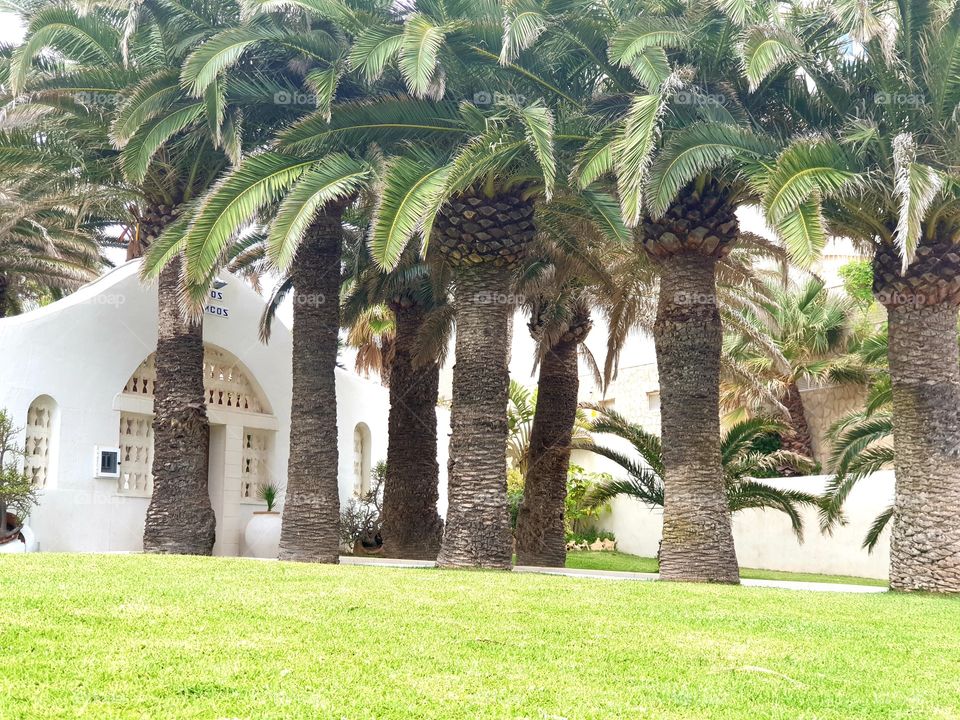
(145, 637)
(623, 562)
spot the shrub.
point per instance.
(579, 517)
(362, 518)
(269, 493)
(17, 494)
(857, 276)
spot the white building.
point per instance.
(78, 376)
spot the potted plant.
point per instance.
(17, 493)
(262, 535)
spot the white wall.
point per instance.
(764, 539)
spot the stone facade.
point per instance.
(824, 406)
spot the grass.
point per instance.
(144, 637)
(622, 562)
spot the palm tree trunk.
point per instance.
(697, 535)
(925, 374)
(412, 527)
(3, 296)
(180, 518)
(541, 536)
(311, 511)
(478, 525)
(798, 439)
(925, 371)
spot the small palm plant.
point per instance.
(862, 444)
(743, 456)
(802, 335)
(269, 493)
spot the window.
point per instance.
(41, 430)
(254, 472)
(136, 455)
(653, 401)
(361, 459)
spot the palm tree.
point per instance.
(115, 85)
(677, 126)
(473, 185)
(811, 331)
(302, 185)
(412, 298)
(862, 442)
(49, 242)
(744, 457)
(558, 287)
(887, 178)
(371, 334)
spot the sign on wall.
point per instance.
(215, 301)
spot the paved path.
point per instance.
(617, 575)
(385, 562)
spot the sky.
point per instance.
(10, 29)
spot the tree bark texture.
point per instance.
(412, 527)
(180, 517)
(541, 535)
(311, 512)
(797, 439)
(477, 532)
(922, 308)
(697, 535)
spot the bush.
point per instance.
(857, 277)
(514, 494)
(579, 518)
(361, 520)
(17, 493)
(590, 536)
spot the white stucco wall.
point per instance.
(764, 539)
(81, 351)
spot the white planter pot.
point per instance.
(261, 539)
(28, 544)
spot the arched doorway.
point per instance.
(242, 438)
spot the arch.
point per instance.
(362, 440)
(227, 383)
(41, 443)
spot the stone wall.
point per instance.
(823, 407)
(635, 394)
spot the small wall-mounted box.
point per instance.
(107, 462)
